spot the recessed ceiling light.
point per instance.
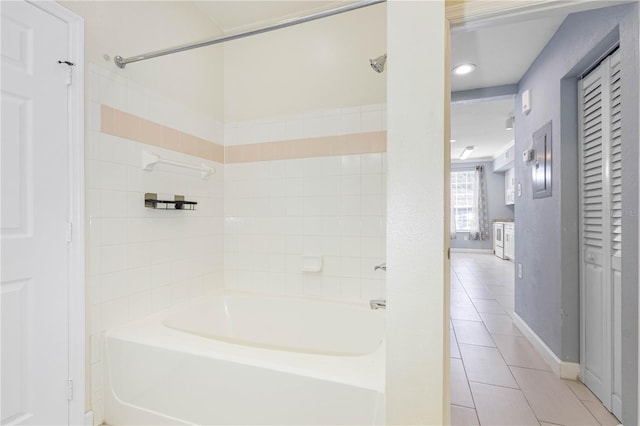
(452, 140)
(463, 69)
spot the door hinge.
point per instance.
(69, 232)
(70, 390)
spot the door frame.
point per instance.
(76, 208)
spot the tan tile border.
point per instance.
(357, 143)
(128, 126)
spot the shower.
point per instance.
(378, 63)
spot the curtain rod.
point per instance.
(122, 62)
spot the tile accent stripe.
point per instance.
(357, 143)
(128, 126)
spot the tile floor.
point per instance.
(497, 377)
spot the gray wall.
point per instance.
(547, 297)
(495, 204)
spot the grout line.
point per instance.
(498, 386)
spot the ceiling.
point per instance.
(480, 124)
(502, 55)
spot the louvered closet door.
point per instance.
(600, 239)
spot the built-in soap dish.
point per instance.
(311, 263)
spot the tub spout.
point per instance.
(378, 304)
(382, 266)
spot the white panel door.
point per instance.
(35, 197)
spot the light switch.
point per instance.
(519, 190)
(520, 270)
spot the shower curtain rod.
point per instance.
(122, 62)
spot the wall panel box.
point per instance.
(541, 168)
(311, 263)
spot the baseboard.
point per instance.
(88, 418)
(562, 369)
(471, 250)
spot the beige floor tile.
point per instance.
(601, 413)
(489, 306)
(463, 416)
(485, 365)
(478, 292)
(501, 290)
(551, 398)
(496, 405)
(460, 300)
(561, 402)
(500, 324)
(472, 332)
(518, 352)
(581, 391)
(507, 302)
(468, 313)
(454, 352)
(460, 392)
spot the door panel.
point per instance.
(594, 356)
(35, 197)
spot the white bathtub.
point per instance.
(241, 358)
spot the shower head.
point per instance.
(378, 63)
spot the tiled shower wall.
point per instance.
(307, 185)
(143, 260)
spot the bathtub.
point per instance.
(242, 358)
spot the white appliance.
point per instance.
(498, 239)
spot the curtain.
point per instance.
(479, 228)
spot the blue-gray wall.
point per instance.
(547, 297)
(495, 204)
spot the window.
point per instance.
(462, 190)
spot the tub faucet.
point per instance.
(382, 266)
(378, 304)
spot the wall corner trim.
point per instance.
(562, 369)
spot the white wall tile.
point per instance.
(351, 123)
(307, 125)
(350, 185)
(371, 163)
(331, 166)
(113, 231)
(371, 121)
(111, 259)
(113, 176)
(115, 313)
(350, 288)
(371, 184)
(350, 164)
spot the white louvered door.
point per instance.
(600, 226)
